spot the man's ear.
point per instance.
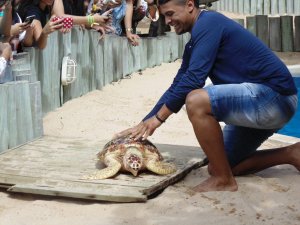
(190, 5)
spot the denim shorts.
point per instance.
(252, 113)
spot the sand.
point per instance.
(269, 197)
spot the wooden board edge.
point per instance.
(173, 179)
(60, 192)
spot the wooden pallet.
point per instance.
(54, 166)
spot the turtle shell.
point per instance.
(122, 143)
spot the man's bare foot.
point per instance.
(216, 184)
(294, 151)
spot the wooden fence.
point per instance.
(280, 33)
(259, 7)
(38, 90)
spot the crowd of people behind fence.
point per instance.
(29, 23)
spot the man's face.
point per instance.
(178, 16)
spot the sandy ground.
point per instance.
(269, 197)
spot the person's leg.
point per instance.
(264, 159)
(241, 144)
(249, 105)
(210, 138)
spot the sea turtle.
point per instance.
(126, 154)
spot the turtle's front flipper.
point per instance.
(160, 167)
(112, 169)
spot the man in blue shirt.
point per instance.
(253, 93)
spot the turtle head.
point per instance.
(133, 161)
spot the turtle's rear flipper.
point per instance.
(161, 168)
(104, 173)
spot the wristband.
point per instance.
(159, 119)
(129, 29)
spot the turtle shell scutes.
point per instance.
(122, 143)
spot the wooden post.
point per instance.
(125, 55)
(241, 7)
(143, 53)
(117, 58)
(98, 60)
(36, 109)
(222, 8)
(262, 28)
(282, 7)
(12, 115)
(107, 60)
(4, 140)
(260, 7)
(274, 7)
(275, 33)
(297, 7)
(297, 33)
(267, 7)
(290, 7)
(21, 66)
(287, 33)
(160, 50)
(135, 55)
(240, 21)
(235, 6)
(151, 52)
(253, 4)
(167, 48)
(247, 7)
(251, 24)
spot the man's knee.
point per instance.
(197, 101)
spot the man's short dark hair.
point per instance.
(179, 2)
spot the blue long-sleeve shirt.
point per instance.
(224, 51)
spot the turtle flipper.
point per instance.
(160, 167)
(112, 169)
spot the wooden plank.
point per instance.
(151, 51)
(274, 7)
(275, 33)
(253, 5)
(143, 53)
(297, 33)
(240, 21)
(167, 49)
(20, 103)
(260, 7)
(235, 6)
(12, 115)
(247, 7)
(287, 33)
(297, 7)
(92, 192)
(267, 7)
(107, 60)
(282, 7)
(160, 50)
(251, 24)
(4, 138)
(98, 65)
(241, 7)
(56, 167)
(36, 109)
(262, 28)
(290, 7)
